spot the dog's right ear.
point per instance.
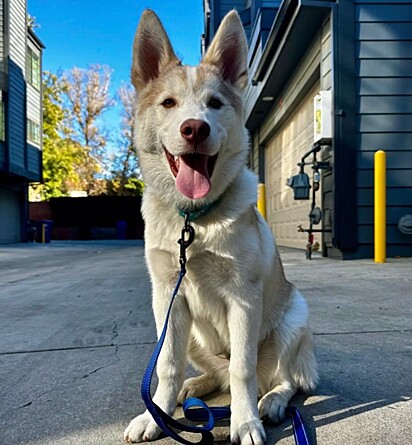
(152, 50)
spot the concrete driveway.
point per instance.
(76, 332)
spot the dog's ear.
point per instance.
(152, 50)
(228, 51)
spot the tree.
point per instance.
(88, 97)
(60, 152)
(125, 173)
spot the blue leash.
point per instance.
(195, 409)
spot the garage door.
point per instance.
(9, 216)
(283, 152)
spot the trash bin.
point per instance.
(44, 230)
(121, 229)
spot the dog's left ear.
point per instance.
(228, 51)
(152, 50)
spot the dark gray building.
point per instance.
(358, 53)
(20, 118)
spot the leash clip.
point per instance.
(187, 237)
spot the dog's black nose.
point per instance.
(194, 131)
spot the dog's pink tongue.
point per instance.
(193, 180)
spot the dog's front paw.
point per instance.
(272, 407)
(142, 429)
(249, 432)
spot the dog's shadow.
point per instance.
(353, 381)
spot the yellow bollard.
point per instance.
(261, 202)
(380, 206)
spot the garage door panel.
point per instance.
(283, 152)
(9, 216)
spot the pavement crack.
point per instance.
(35, 399)
(115, 332)
(383, 331)
(117, 359)
(77, 348)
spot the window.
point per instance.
(33, 132)
(2, 122)
(33, 68)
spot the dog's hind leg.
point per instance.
(215, 373)
(294, 370)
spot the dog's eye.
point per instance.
(215, 103)
(169, 103)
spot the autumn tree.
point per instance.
(125, 173)
(88, 96)
(60, 152)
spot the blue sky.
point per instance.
(86, 32)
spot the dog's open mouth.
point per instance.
(192, 172)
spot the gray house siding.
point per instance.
(247, 9)
(2, 48)
(34, 162)
(17, 32)
(20, 161)
(384, 116)
(35, 114)
(16, 120)
(2, 156)
(365, 58)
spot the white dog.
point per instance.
(236, 318)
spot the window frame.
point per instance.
(33, 132)
(33, 68)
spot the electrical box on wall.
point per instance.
(322, 103)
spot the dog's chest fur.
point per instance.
(218, 264)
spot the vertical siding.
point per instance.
(227, 5)
(2, 52)
(34, 162)
(384, 110)
(33, 104)
(16, 106)
(2, 77)
(16, 118)
(18, 32)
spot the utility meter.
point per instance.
(300, 185)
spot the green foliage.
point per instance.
(131, 186)
(60, 152)
(74, 144)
